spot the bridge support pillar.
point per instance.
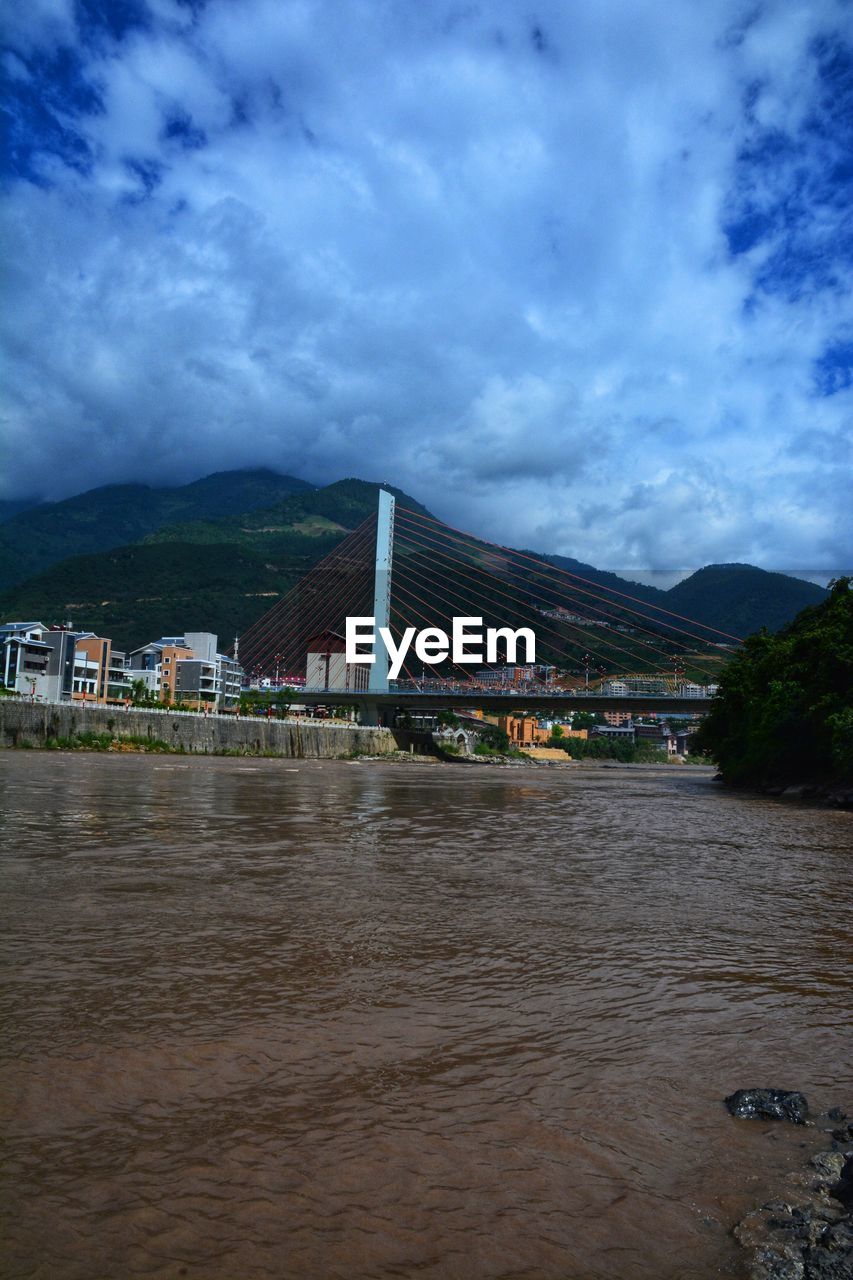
(368, 713)
(378, 679)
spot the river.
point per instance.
(304, 1019)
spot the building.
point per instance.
(646, 684)
(526, 731)
(63, 648)
(615, 732)
(515, 674)
(188, 669)
(675, 742)
(327, 668)
(654, 734)
(91, 671)
(54, 664)
(211, 679)
(616, 689)
(618, 718)
(25, 658)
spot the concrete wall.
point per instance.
(34, 722)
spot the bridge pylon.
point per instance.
(383, 564)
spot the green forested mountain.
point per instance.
(336, 509)
(209, 575)
(101, 519)
(746, 597)
(605, 578)
(214, 555)
(736, 598)
(137, 593)
(13, 506)
(785, 709)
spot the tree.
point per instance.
(140, 694)
(284, 699)
(784, 710)
(489, 735)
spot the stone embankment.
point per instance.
(25, 724)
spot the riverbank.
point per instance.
(806, 1231)
(69, 726)
(837, 795)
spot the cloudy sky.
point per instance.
(575, 273)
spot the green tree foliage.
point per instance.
(489, 735)
(609, 749)
(784, 712)
(141, 695)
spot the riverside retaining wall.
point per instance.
(31, 724)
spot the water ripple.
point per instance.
(379, 1020)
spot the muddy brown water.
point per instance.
(326, 1019)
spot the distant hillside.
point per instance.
(216, 575)
(13, 506)
(112, 516)
(337, 508)
(135, 594)
(200, 560)
(741, 598)
(737, 598)
(604, 578)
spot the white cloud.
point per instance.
(480, 256)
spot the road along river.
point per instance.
(320, 1019)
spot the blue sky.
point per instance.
(577, 275)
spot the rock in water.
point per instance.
(768, 1104)
(808, 1235)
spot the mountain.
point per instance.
(137, 593)
(734, 598)
(336, 509)
(112, 516)
(207, 575)
(742, 599)
(13, 506)
(605, 578)
(216, 554)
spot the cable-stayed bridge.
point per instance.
(596, 647)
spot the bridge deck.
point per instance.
(508, 703)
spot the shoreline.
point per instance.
(832, 795)
(93, 744)
(805, 1232)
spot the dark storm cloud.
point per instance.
(577, 277)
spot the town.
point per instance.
(188, 673)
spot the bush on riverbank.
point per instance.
(784, 711)
(86, 741)
(607, 749)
